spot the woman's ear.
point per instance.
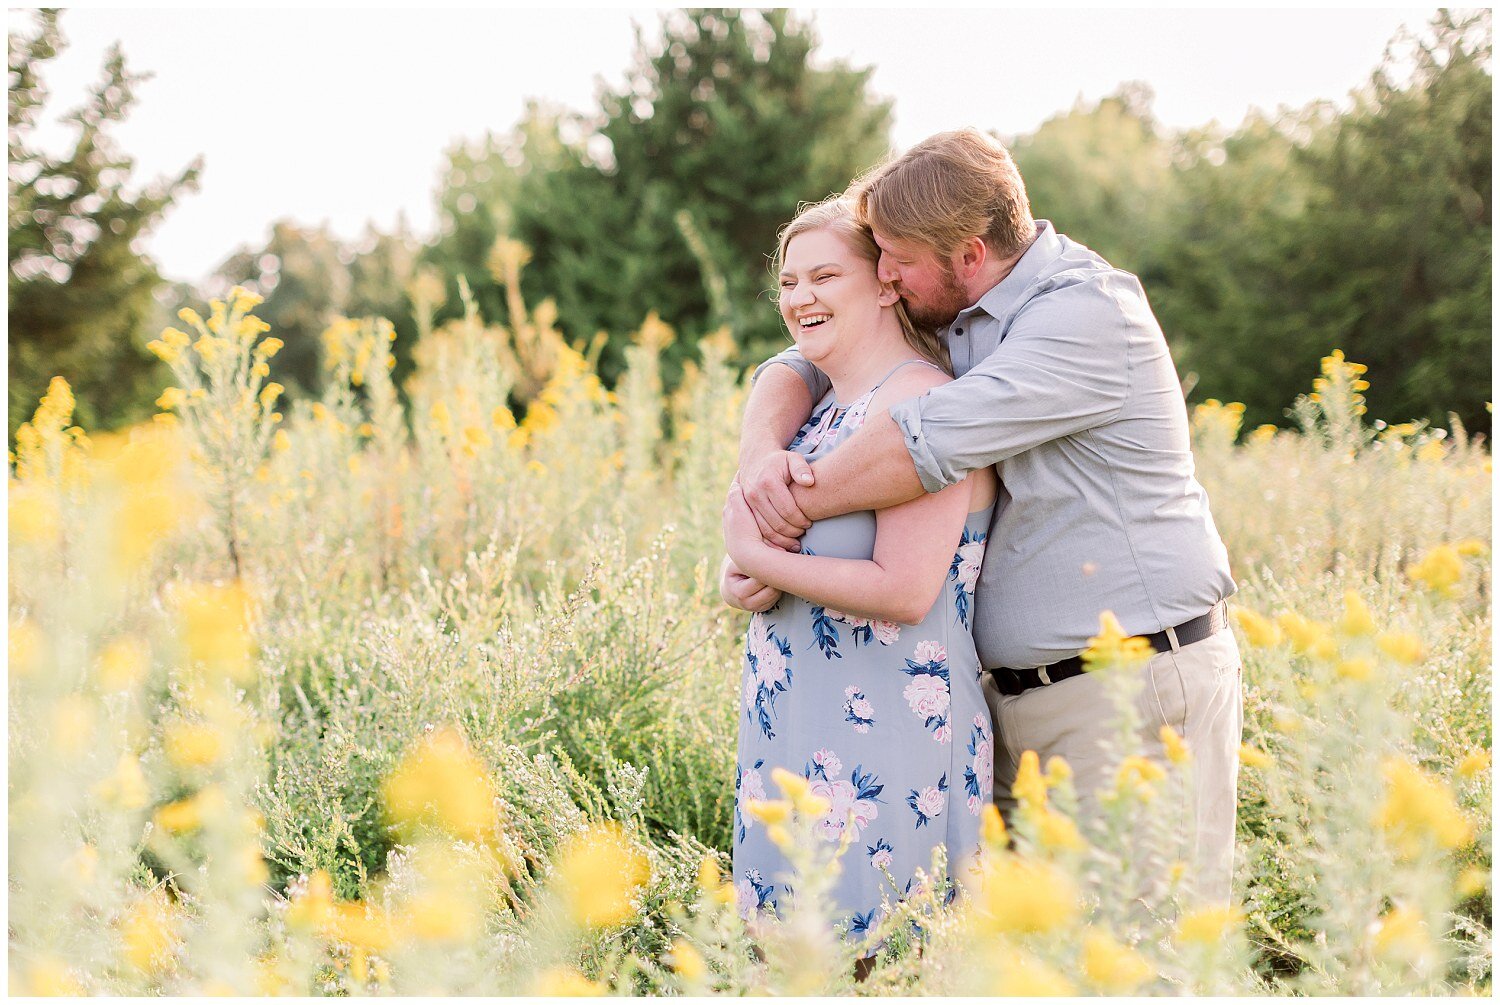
(888, 295)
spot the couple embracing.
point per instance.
(977, 445)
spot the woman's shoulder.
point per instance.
(909, 380)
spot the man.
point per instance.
(1065, 384)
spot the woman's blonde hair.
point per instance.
(837, 215)
(947, 189)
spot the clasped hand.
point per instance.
(761, 513)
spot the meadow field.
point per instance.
(351, 698)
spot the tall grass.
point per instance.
(351, 698)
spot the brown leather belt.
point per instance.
(1011, 681)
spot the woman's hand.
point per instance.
(742, 539)
(744, 593)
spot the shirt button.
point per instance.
(958, 331)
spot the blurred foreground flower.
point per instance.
(599, 870)
(440, 783)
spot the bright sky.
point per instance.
(342, 116)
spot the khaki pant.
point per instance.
(1195, 690)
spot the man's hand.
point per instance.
(743, 592)
(777, 515)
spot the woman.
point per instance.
(862, 675)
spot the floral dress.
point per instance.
(886, 721)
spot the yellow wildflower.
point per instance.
(149, 933)
(1207, 926)
(1138, 776)
(193, 745)
(181, 817)
(1472, 882)
(1431, 452)
(1309, 637)
(564, 982)
(599, 871)
(1356, 620)
(125, 787)
(1474, 764)
(441, 783)
(687, 961)
(362, 925)
(1401, 936)
(1254, 757)
(268, 347)
(709, 876)
(1113, 648)
(214, 629)
(1441, 570)
(1472, 547)
(1029, 788)
(312, 907)
(793, 786)
(270, 393)
(769, 811)
(172, 397)
(442, 419)
(1111, 968)
(1057, 832)
(48, 977)
(163, 351)
(1058, 771)
(261, 370)
(1025, 895)
(1263, 433)
(1024, 976)
(1403, 647)
(1356, 668)
(1175, 746)
(992, 826)
(778, 835)
(1418, 808)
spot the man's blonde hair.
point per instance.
(837, 215)
(945, 190)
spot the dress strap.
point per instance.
(898, 366)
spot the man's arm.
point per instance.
(780, 402)
(872, 470)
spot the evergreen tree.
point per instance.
(79, 291)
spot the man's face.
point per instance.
(926, 282)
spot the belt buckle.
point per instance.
(1041, 673)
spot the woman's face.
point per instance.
(830, 296)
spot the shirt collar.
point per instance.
(1043, 251)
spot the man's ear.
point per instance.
(970, 257)
(888, 295)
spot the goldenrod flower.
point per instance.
(1474, 764)
(687, 961)
(1309, 637)
(270, 393)
(149, 933)
(1431, 452)
(1175, 746)
(441, 783)
(992, 826)
(362, 925)
(1472, 547)
(793, 786)
(268, 347)
(1029, 788)
(1058, 771)
(1207, 926)
(1403, 647)
(1254, 757)
(214, 629)
(769, 811)
(1025, 895)
(1110, 967)
(1400, 936)
(312, 907)
(1113, 648)
(1440, 569)
(1356, 668)
(1419, 808)
(125, 787)
(1472, 882)
(193, 745)
(1138, 776)
(1356, 620)
(1263, 433)
(709, 876)
(1056, 832)
(564, 982)
(599, 871)
(1024, 976)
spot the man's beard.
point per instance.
(944, 305)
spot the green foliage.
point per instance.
(79, 293)
(670, 199)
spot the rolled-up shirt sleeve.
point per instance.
(1063, 367)
(817, 383)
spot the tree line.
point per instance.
(1261, 247)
